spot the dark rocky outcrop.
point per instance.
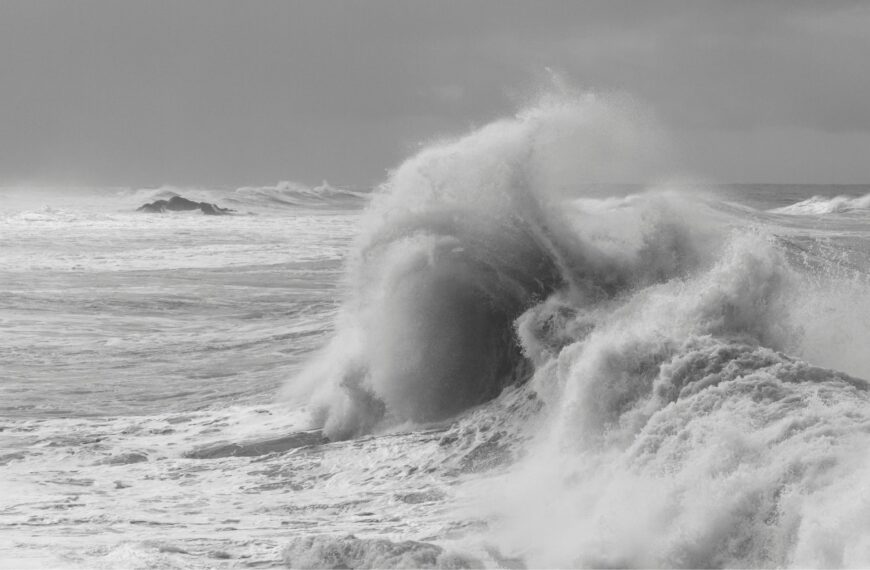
(180, 204)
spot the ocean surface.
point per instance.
(481, 363)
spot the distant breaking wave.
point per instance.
(694, 389)
(263, 199)
(820, 205)
(87, 201)
(293, 195)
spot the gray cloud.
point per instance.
(220, 92)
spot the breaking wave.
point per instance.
(462, 240)
(820, 205)
(695, 386)
(294, 195)
(263, 199)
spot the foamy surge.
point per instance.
(692, 412)
(681, 434)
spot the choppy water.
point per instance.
(488, 358)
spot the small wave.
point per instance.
(258, 447)
(352, 552)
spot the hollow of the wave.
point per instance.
(447, 343)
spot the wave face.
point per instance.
(689, 380)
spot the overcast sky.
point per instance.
(233, 93)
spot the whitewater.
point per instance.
(504, 356)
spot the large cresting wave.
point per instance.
(695, 378)
(464, 238)
(461, 240)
